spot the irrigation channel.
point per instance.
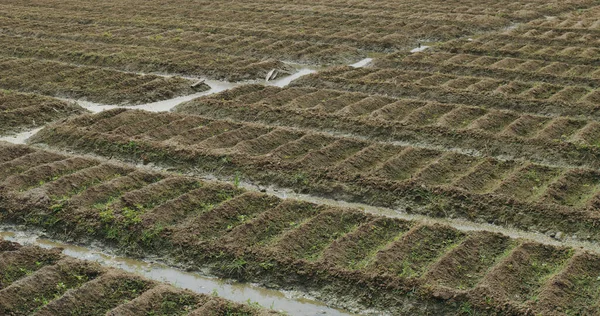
(216, 86)
(303, 70)
(292, 303)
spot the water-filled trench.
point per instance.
(290, 302)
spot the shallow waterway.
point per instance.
(292, 303)
(216, 86)
(20, 138)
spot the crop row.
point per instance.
(507, 68)
(489, 92)
(316, 29)
(139, 58)
(555, 140)
(44, 282)
(89, 83)
(526, 34)
(428, 180)
(206, 43)
(573, 21)
(476, 11)
(492, 46)
(408, 266)
(570, 40)
(19, 111)
(510, 10)
(384, 28)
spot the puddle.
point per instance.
(20, 138)
(238, 292)
(216, 86)
(419, 49)
(362, 63)
(511, 27)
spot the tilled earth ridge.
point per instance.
(499, 128)
(397, 265)
(528, 93)
(69, 49)
(93, 84)
(553, 140)
(420, 180)
(20, 111)
(37, 281)
(224, 34)
(546, 67)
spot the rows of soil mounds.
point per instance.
(553, 73)
(560, 50)
(19, 111)
(93, 84)
(279, 22)
(41, 281)
(420, 180)
(241, 33)
(494, 93)
(140, 58)
(351, 258)
(551, 140)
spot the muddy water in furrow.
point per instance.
(20, 138)
(216, 86)
(165, 105)
(292, 303)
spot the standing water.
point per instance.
(362, 63)
(216, 86)
(20, 138)
(419, 49)
(239, 292)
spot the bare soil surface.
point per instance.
(429, 181)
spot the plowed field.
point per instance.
(430, 157)
(424, 180)
(258, 237)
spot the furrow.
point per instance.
(523, 273)
(93, 84)
(541, 138)
(18, 263)
(357, 249)
(46, 173)
(161, 300)
(427, 181)
(26, 162)
(310, 239)
(411, 255)
(218, 221)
